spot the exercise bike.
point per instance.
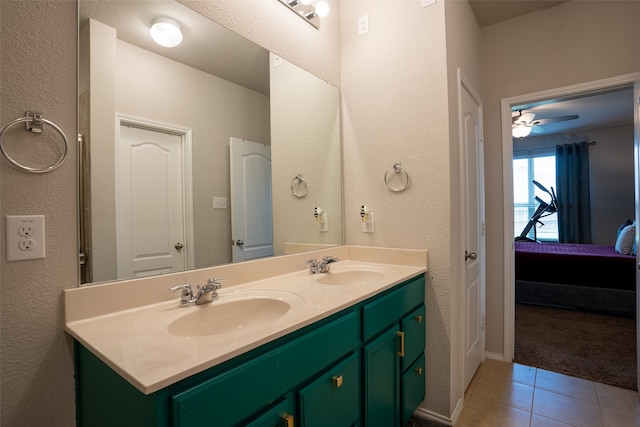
(544, 209)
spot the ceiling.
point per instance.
(131, 18)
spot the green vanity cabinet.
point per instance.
(393, 384)
(341, 371)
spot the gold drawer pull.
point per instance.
(337, 380)
(418, 318)
(419, 370)
(401, 335)
(286, 420)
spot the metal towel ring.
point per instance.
(397, 173)
(33, 123)
(299, 186)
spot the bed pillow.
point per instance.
(626, 239)
(624, 224)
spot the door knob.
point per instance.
(179, 246)
(470, 255)
(239, 242)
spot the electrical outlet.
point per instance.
(363, 25)
(25, 237)
(219, 203)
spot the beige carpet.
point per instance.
(593, 346)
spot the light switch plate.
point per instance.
(25, 237)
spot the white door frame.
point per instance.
(507, 185)
(465, 84)
(187, 179)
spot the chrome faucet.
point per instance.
(323, 266)
(204, 294)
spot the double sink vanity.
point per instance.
(277, 345)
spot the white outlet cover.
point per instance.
(25, 237)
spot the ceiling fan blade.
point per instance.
(526, 117)
(557, 119)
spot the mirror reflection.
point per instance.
(196, 155)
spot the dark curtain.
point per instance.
(572, 180)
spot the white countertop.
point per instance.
(136, 341)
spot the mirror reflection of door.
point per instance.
(251, 200)
(151, 217)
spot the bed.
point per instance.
(588, 277)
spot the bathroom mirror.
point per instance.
(157, 126)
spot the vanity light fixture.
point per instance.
(307, 10)
(166, 32)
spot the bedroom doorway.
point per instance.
(507, 105)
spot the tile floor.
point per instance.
(510, 395)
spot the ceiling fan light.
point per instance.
(520, 131)
(166, 32)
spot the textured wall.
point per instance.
(38, 48)
(578, 42)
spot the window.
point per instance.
(541, 167)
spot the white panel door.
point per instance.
(150, 208)
(251, 206)
(472, 183)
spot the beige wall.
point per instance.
(572, 43)
(38, 72)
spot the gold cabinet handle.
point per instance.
(337, 380)
(418, 370)
(418, 318)
(286, 420)
(401, 335)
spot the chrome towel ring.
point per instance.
(299, 186)
(34, 123)
(397, 178)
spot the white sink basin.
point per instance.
(349, 277)
(232, 312)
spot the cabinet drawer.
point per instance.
(388, 309)
(413, 389)
(245, 389)
(334, 398)
(276, 416)
(413, 327)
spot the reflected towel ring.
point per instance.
(397, 178)
(33, 123)
(299, 186)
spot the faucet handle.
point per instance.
(312, 261)
(187, 292)
(213, 282)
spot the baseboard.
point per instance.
(432, 416)
(495, 356)
(440, 419)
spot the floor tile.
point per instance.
(506, 392)
(539, 421)
(567, 385)
(619, 399)
(569, 410)
(479, 412)
(512, 371)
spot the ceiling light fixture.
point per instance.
(520, 130)
(166, 32)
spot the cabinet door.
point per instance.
(381, 380)
(413, 389)
(333, 399)
(413, 328)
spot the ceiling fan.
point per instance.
(525, 123)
